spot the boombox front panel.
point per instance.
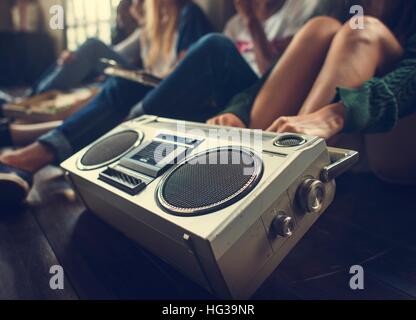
(214, 238)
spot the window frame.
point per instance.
(84, 24)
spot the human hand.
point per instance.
(66, 57)
(228, 120)
(325, 123)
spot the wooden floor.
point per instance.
(370, 223)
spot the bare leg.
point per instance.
(294, 75)
(354, 58)
(31, 158)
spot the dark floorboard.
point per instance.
(370, 223)
(25, 259)
(101, 262)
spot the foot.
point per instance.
(15, 185)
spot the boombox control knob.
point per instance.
(283, 226)
(311, 195)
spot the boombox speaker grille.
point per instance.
(109, 149)
(289, 141)
(209, 181)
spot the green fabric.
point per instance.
(380, 102)
(241, 104)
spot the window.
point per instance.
(89, 18)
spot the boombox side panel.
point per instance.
(251, 260)
(282, 247)
(244, 259)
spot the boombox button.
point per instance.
(283, 226)
(311, 195)
(122, 181)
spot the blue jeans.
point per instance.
(86, 63)
(200, 87)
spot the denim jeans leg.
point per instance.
(74, 73)
(101, 115)
(210, 75)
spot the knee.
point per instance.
(371, 33)
(215, 42)
(321, 28)
(91, 44)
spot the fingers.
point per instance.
(289, 129)
(227, 120)
(211, 122)
(283, 124)
(218, 121)
(277, 125)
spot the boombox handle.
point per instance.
(341, 161)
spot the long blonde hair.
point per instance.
(161, 19)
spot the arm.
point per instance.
(265, 54)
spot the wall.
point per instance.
(57, 35)
(218, 11)
(6, 21)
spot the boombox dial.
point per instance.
(311, 196)
(283, 226)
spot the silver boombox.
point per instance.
(224, 206)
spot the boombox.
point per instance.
(224, 206)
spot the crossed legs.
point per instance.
(306, 78)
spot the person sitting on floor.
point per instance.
(127, 21)
(262, 29)
(73, 68)
(356, 81)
